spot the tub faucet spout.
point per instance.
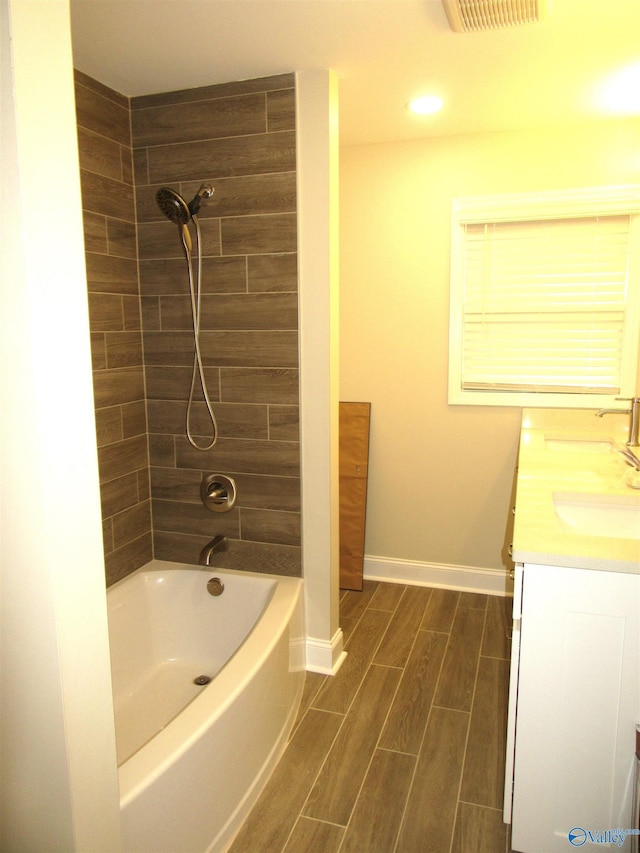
(634, 418)
(218, 543)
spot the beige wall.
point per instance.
(57, 740)
(441, 477)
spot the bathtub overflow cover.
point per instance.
(202, 679)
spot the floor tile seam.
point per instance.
(484, 631)
(398, 751)
(324, 761)
(371, 604)
(495, 657)
(390, 706)
(364, 779)
(434, 704)
(466, 741)
(354, 629)
(353, 698)
(381, 609)
(297, 820)
(462, 606)
(433, 631)
(357, 625)
(355, 802)
(357, 620)
(411, 783)
(397, 690)
(415, 632)
(314, 781)
(373, 751)
(481, 806)
(325, 711)
(409, 653)
(434, 694)
(375, 747)
(309, 707)
(450, 708)
(322, 820)
(289, 834)
(373, 655)
(475, 680)
(457, 799)
(387, 666)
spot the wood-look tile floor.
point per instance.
(403, 750)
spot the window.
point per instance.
(545, 298)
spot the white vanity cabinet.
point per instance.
(574, 706)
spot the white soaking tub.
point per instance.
(193, 759)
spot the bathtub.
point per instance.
(193, 759)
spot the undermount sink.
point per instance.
(580, 445)
(614, 516)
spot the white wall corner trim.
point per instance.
(415, 573)
(323, 657)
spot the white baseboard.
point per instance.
(463, 578)
(323, 656)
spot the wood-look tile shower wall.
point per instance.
(240, 138)
(108, 201)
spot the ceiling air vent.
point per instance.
(468, 16)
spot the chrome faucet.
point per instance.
(218, 543)
(634, 418)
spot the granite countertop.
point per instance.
(547, 465)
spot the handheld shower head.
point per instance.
(173, 206)
(176, 208)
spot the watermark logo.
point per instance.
(578, 836)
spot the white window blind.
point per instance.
(544, 304)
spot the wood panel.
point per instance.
(354, 465)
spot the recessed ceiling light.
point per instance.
(426, 105)
(620, 94)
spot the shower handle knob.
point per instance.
(218, 492)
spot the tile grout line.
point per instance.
(466, 742)
(403, 807)
(382, 727)
(410, 787)
(424, 733)
(324, 761)
(481, 806)
(315, 779)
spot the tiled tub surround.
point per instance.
(240, 138)
(104, 138)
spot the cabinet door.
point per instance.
(577, 705)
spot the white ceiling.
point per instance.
(384, 52)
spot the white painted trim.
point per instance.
(553, 204)
(324, 657)
(413, 572)
(318, 203)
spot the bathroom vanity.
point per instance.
(574, 698)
